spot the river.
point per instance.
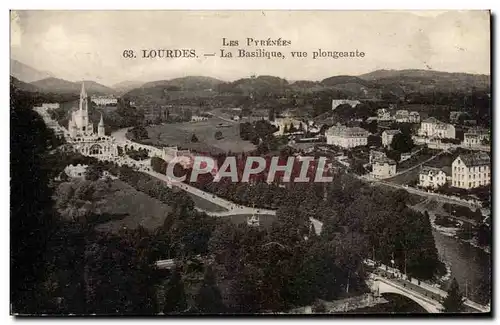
(470, 265)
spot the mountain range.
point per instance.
(366, 86)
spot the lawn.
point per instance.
(417, 159)
(266, 220)
(116, 204)
(139, 208)
(180, 134)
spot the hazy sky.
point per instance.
(76, 45)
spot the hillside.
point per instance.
(61, 86)
(20, 85)
(125, 86)
(413, 80)
(25, 73)
(186, 83)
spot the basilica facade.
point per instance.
(84, 138)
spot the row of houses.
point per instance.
(467, 171)
(400, 116)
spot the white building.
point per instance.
(196, 118)
(471, 170)
(383, 115)
(82, 135)
(286, 124)
(346, 137)
(76, 171)
(433, 128)
(338, 102)
(430, 177)
(104, 100)
(387, 137)
(49, 106)
(402, 116)
(383, 167)
(475, 137)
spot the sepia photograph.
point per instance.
(281, 163)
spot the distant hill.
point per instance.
(20, 85)
(125, 86)
(25, 73)
(414, 80)
(186, 83)
(61, 86)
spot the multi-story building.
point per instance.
(346, 137)
(338, 102)
(475, 137)
(433, 128)
(387, 137)
(431, 177)
(402, 116)
(414, 117)
(471, 170)
(383, 167)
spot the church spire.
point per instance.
(83, 93)
(101, 121)
(83, 98)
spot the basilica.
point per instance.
(82, 136)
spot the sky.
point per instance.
(89, 45)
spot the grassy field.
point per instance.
(138, 208)
(205, 204)
(179, 134)
(266, 220)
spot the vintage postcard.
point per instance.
(250, 162)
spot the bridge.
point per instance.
(384, 279)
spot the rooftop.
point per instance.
(475, 159)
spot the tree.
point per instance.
(218, 135)
(194, 138)
(402, 142)
(454, 301)
(175, 297)
(209, 298)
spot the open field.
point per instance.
(179, 134)
(117, 204)
(266, 220)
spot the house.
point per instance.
(338, 102)
(433, 128)
(402, 116)
(471, 170)
(414, 117)
(387, 137)
(383, 168)
(346, 137)
(431, 177)
(475, 137)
